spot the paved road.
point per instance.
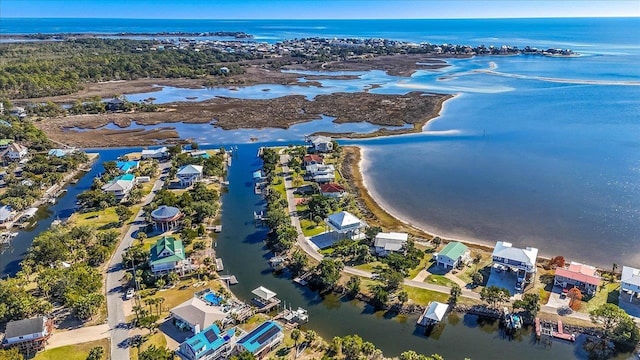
(77, 336)
(115, 272)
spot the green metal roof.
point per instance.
(453, 250)
(167, 243)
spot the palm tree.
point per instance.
(310, 336)
(295, 336)
(160, 301)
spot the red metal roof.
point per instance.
(331, 188)
(580, 272)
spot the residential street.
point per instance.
(115, 272)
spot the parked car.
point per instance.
(129, 294)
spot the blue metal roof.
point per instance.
(126, 166)
(209, 340)
(254, 340)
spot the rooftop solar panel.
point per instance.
(267, 335)
(210, 335)
(256, 331)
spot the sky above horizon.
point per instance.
(315, 9)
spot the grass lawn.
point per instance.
(486, 260)
(608, 294)
(370, 266)
(309, 228)
(156, 339)
(439, 280)
(96, 218)
(278, 185)
(425, 263)
(424, 297)
(74, 352)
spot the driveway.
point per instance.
(77, 336)
(115, 272)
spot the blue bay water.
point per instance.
(535, 150)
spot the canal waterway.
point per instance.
(240, 245)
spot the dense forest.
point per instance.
(29, 70)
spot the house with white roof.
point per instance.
(522, 261)
(630, 285)
(210, 344)
(434, 313)
(121, 186)
(15, 151)
(321, 173)
(320, 144)
(584, 277)
(196, 314)
(346, 224)
(6, 214)
(190, 174)
(158, 154)
(386, 243)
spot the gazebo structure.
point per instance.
(347, 225)
(264, 299)
(434, 313)
(165, 217)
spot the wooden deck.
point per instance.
(560, 334)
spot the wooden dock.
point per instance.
(302, 280)
(230, 279)
(560, 334)
(219, 264)
(538, 329)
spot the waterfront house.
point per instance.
(168, 255)
(18, 111)
(189, 174)
(261, 340)
(321, 173)
(320, 144)
(312, 159)
(166, 217)
(196, 314)
(347, 225)
(386, 243)
(332, 190)
(157, 154)
(127, 166)
(210, 344)
(4, 143)
(434, 313)
(16, 151)
(630, 285)
(120, 186)
(452, 255)
(6, 214)
(522, 261)
(584, 277)
(28, 335)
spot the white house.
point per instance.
(452, 254)
(190, 174)
(160, 153)
(28, 334)
(195, 315)
(16, 151)
(332, 190)
(6, 214)
(523, 261)
(345, 223)
(630, 287)
(320, 144)
(386, 243)
(321, 173)
(121, 186)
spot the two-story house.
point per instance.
(630, 285)
(209, 344)
(28, 335)
(168, 255)
(262, 339)
(522, 261)
(584, 277)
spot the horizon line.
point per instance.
(333, 19)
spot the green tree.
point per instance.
(245, 355)
(494, 295)
(10, 354)
(123, 213)
(617, 325)
(310, 337)
(329, 272)
(149, 322)
(454, 294)
(477, 278)
(403, 296)
(298, 262)
(353, 285)
(530, 303)
(96, 353)
(156, 353)
(295, 336)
